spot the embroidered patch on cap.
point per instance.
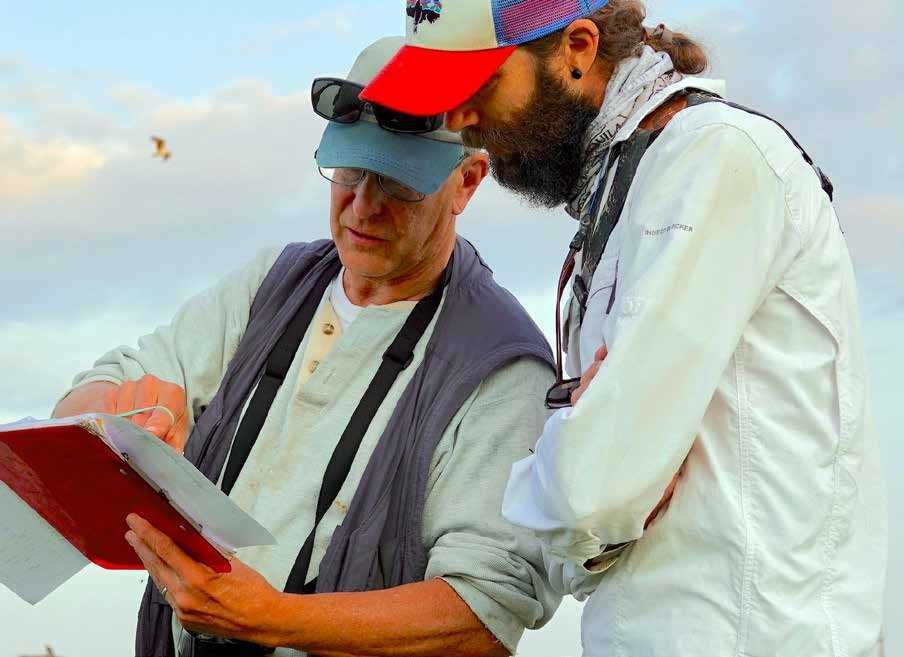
(424, 10)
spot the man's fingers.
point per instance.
(173, 398)
(586, 379)
(665, 499)
(145, 396)
(160, 421)
(176, 426)
(588, 376)
(125, 397)
(166, 551)
(177, 437)
(111, 394)
(158, 571)
(169, 423)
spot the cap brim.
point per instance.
(421, 163)
(423, 82)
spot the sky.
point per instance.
(100, 242)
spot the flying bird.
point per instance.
(160, 149)
(49, 653)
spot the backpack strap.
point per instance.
(594, 236)
(702, 97)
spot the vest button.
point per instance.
(313, 366)
(329, 329)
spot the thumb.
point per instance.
(160, 422)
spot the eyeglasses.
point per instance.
(337, 100)
(559, 395)
(348, 177)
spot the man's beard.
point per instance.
(539, 154)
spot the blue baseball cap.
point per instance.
(422, 162)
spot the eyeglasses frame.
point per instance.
(380, 181)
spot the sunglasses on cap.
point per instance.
(337, 100)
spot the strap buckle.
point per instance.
(399, 355)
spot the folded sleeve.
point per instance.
(707, 235)
(494, 566)
(194, 349)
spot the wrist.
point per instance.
(282, 621)
(91, 397)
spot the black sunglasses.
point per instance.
(337, 100)
(559, 395)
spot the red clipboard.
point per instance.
(83, 489)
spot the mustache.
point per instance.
(502, 140)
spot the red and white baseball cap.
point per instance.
(454, 46)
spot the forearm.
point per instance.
(88, 398)
(423, 619)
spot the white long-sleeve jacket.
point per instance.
(734, 348)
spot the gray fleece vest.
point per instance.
(379, 544)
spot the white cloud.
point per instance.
(30, 168)
(235, 154)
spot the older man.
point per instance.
(363, 398)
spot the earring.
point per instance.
(576, 73)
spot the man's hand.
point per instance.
(588, 376)
(235, 605)
(151, 391)
(102, 397)
(586, 380)
(242, 605)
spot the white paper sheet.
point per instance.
(34, 558)
(216, 517)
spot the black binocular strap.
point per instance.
(396, 358)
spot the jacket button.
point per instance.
(329, 329)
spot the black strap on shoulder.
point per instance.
(395, 359)
(628, 154)
(700, 97)
(275, 371)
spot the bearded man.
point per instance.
(713, 483)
